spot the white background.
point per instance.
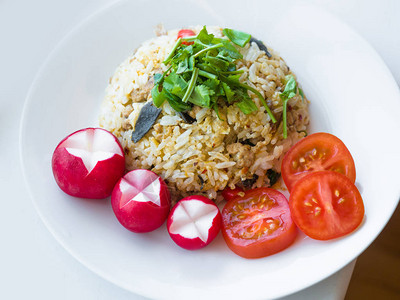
(32, 264)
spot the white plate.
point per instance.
(352, 95)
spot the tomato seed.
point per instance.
(314, 152)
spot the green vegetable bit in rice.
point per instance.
(204, 73)
(289, 92)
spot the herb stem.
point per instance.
(207, 49)
(191, 85)
(165, 73)
(233, 72)
(207, 74)
(189, 38)
(284, 121)
(178, 42)
(262, 100)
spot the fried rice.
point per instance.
(210, 154)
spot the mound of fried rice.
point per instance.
(210, 154)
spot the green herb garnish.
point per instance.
(237, 37)
(289, 92)
(204, 74)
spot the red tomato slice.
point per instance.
(184, 33)
(230, 194)
(317, 152)
(326, 205)
(258, 224)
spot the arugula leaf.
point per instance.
(217, 63)
(175, 84)
(183, 66)
(231, 50)
(201, 96)
(246, 106)
(237, 37)
(176, 103)
(228, 92)
(214, 86)
(158, 97)
(301, 94)
(204, 36)
(290, 88)
(157, 78)
(223, 54)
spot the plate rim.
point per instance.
(22, 132)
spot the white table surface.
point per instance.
(32, 263)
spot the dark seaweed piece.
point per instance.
(201, 182)
(273, 176)
(261, 46)
(186, 117)
(248, 183)
(247, 142)
(147, 117)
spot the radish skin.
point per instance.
(141, 201)
(88, 163)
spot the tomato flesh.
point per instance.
(230, 194)
(317, 152)
(326, 205)
(184, 33)
(258, 224)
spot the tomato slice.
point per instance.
(317, 152)
(326, 205)
(184, 33)
(230, 194)
(258, 224)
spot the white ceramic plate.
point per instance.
(352, 96)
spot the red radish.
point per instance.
(194, 222)
(88, 163)
(141, 201)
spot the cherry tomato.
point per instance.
(317, 152)
(258, 224)
(230, 194)
(326, 205)
(184, 33)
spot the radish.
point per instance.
(141, 201)
(194, 222)
(88, 163)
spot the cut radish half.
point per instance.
(88, 163)
(194, 222)
(141, 201)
